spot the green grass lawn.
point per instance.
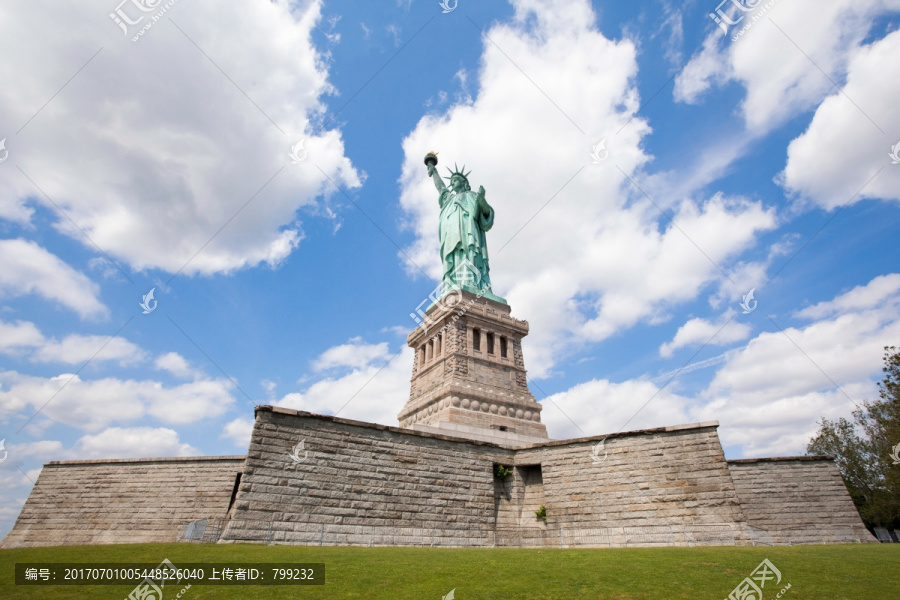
(854, 572)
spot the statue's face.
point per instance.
(457, 183)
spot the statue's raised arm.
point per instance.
(432, 172)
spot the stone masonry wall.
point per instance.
(122, 501)
(357, 479)
(355, 475)
(797, 500)
(360, 483)
(675, 478)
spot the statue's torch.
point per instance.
(431, 160)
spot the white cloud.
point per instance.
(239, 432)
(669, 376)
(133, 442)
(769, 394)
(399, 330)
(23, 337)
(188, 402)
(43, 449)
(880, 290)
(600, 406)
(177, 365)
(93, 405)
(661, 270)
(19, 336)
(745, 276)
(16, 485)
(673, 24)
(394, 30)
(706, 67)
(170, 149)
(76, 349)
(841, 150)
(269, 386)
(781, 71)
(374, 391)
(356, 354)
(589, 263)
(701, 331)
(30, 269)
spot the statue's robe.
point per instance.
(464, 251)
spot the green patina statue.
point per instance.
(465, 217)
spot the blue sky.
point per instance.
(757, 158)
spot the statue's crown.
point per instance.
(458, 171)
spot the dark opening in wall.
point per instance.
(531, 474)
(234, 490)
(502, 347)
(476, 340)
(533, 495)
(490, 343)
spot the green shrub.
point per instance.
(502, 471)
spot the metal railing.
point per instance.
(201, 530)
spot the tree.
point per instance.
(863, 449)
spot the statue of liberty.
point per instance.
(465, 217)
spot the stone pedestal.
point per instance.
(469, 372)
